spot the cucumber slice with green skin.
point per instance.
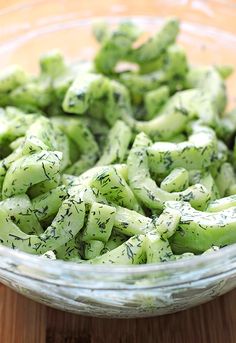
(176, 181)
(153, 65)
(209, 81)
(29, 146)
(146, 189)
(83, 90)
(178, 111)
(167, 223)
(155, 46)
(115, 240)
(63, 81)
(222, 204)
(208, 181)
(79, 133)
(172, 74)
(14, 124)
(126, 221)
(131, 223)
(113, 187)
(87, 147)
(117, 104)
(21, 212)
(199, 152)
(32, 143)
(169, 70)
(12, 77)
(80, 166)
(84, 141)
(174, 116)
(176, 65)
(45, 131)
(70, 250)
(44, 186)
(115, 47)
(26, 147)
(199, 231)
(97, 94)
(52, 63)
(35, 94)
(130, 252)
(93, 249)
(86, 178)
(16, 143)
(116, 147)
(48, 203)
(100, 223)
(154, 100)
(138, 85)
(157, 248)
(99, 131)
(67, 223)
(225, 179)
(30, 170)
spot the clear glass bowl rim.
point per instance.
(56, 266)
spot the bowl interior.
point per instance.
(29, 30)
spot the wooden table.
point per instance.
(24, 321)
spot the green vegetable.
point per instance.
(209, 81)
(99, 223)
(117, 144)
(130, 252)
(176, 181)
(30, 170)
(12, 77)
(113, 186)
(146, 189)
(115, 240)
(127, 159)
(48, 203)
(85, 88)
(155, 100)
(93, 249)
(115, 46)
(199, 231)
(157, 249)
(52, 63)
(198, 153)
(155, 46)
(67, 223)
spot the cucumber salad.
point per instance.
(126, 159)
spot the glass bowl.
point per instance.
(209, 35)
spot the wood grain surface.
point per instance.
(24, 321)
